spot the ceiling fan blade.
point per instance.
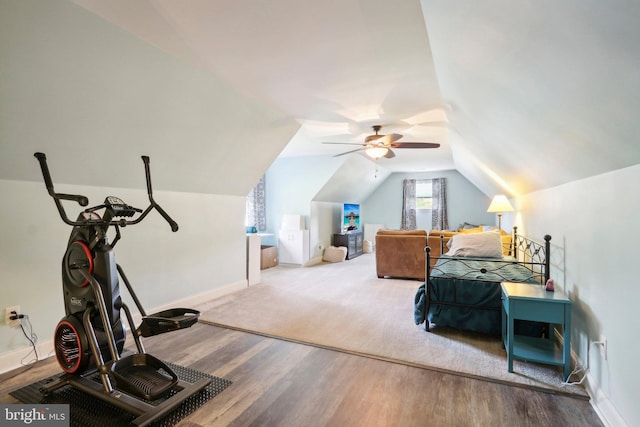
(348, 152)
(343, 143)
(388, 139)
(372, 138)
(394, 137)
(390, 155)
(415, 145)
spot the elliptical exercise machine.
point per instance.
(91, 336)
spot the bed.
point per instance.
(463, 292)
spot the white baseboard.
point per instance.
(11, 360)
(191, 301)
(608, 414)
(601, 404)
(195, 300)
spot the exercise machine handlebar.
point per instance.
(84, 201)
(147, 172)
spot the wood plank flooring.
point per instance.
(280, 383)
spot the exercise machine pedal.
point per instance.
(143, 375)
(168, 321)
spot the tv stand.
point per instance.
(352, 240)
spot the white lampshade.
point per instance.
(500, 203)
(376, 152)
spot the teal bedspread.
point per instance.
(465, 293)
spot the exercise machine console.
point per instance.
(90, 337)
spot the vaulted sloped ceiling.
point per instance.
(335, 67)
(94, 99)
(521, 95)
(541, 93)
(353, 181)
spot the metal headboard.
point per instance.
(530, 253)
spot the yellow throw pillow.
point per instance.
(470, 230)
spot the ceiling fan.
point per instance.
(377, 146)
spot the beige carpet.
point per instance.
(344, 306)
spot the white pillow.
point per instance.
(485, 245)
(334, 254)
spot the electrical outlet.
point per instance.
(7, 316)
(603, 348)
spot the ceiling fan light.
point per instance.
(376, 152)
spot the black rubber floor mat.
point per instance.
(89, 411)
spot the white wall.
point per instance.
(594, 227)
(207, 252)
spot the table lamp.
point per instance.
(500, 204)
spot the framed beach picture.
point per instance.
(350, 217)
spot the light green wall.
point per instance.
(594, 227)
(293, 182)
(86, 92)
(207, 252)
(291, 185)
(466, 203)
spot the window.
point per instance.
(423, 195)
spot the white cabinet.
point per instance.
(293, 247)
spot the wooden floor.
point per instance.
(280, 383)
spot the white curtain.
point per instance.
(256, 208)
(439, 216)
(408, 205)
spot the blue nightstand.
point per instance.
(532, 302)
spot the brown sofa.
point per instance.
(436, 238)
(401, 254)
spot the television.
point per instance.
(350, 217)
